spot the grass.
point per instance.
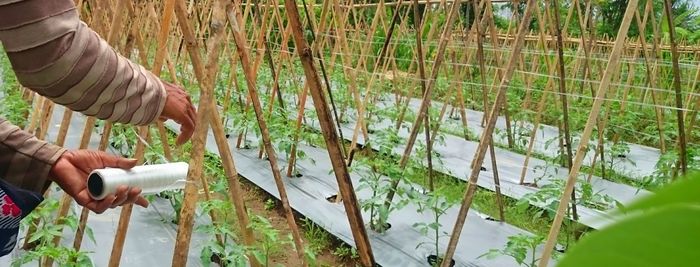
(12, 106)
(318, 239)
(485, 202)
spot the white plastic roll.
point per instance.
(150, 178)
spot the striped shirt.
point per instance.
(56, 55)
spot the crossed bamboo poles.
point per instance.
(219, 12)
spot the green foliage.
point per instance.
(520, 247)
(221, 249)
(378, 175)
(268, 243)
(346, 252)
(270, 204)
(660, 230)
(317, 238)
(668, 166)
(12, 107)
(548, 197)
(175, 198)
(47, 228)
(436, 203)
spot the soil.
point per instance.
(255, 199)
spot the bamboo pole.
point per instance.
(217, 30)
(492, 152)
(486, 135)
(683, 161)
(240, 41)
(564, 101)
(332, 142)
(305, 90)
(423, 110)
(585, 136)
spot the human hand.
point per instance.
(179, 108)
(71, 173)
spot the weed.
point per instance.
(270, 204)
(317, 238)
(346, 252)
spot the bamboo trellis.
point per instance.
(556, 71)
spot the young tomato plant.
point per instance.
(221, 250)
(437, 204)
(268, 243)
(43, 221)
(377, 175)
(521, 247)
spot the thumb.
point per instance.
(118, 162)
(127, 163)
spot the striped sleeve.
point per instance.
(56, 55)
(25, 161)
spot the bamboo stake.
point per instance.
(46, 115)
(423, 110)
(426, 99)
(486, 136)
(206, 104)
(379, 62)
(240, 42)
(125, 214)
(35, 114)
(492, 152)
(235, 190)
(332, 142)
(565, 106)
(304, 91)
(585, 136)
(683, 162)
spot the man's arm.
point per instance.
(25, 161)
(55, 54)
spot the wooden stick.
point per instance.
(304, 91)
(330, 136)
(492, 152)
(217, 30)
(423, 110)
(683, 162)
(585, 136)
(240, 41)
(562, 96)
(486, 135)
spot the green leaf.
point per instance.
(664, 237)
(90, 234)
(684, 191)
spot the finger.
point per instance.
(192, 113)
(117, 162)
(100, 206)
(121, 196)
(133, 195)
(186, 131)
(141, 201)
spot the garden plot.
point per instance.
(638, 163)
(400, 245)
(456, 154)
